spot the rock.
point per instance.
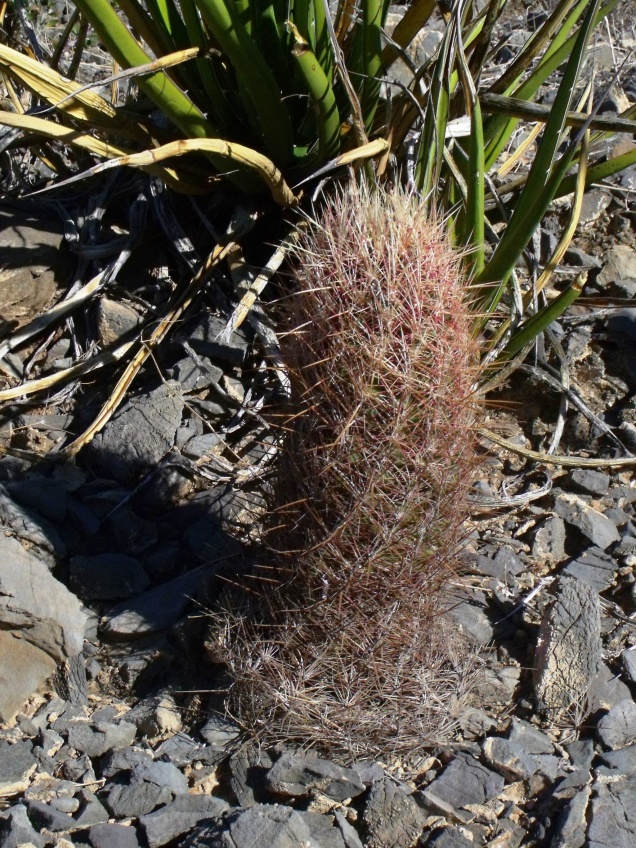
(620, 762)
(149, 785)
(180, 817)
(392, 818)
(138, 437)
(537, 746)
(590, 481)
(123, 760)
(571, 825)
(219, 732)
(568, 649)
(578, 258)
(70, 680)
(207, 337)
(297, 775)
(508, 758)
(618, 728)
(581, 753)
(261, 826)
(113, 836)
(465, 781)
(34, 263)
(549, 541)
(47, 495)
(45, 816)
(92, 811)
(495, 686)
(199, 446)
(157, 715)
(620, 264)
(449, 837)
(179, 749)
(194, 376)
(17, 764)
(37, 535)
(590, 522)
(606, 690)
(594, 567)
(468, 610)
(475, 723)
(612, 820)
(248, 770)
(16, 829)
(107, 577)
(349, 834)
(155, 610)
(130, 533)
(97, 738)
(23, 668)
(321, 830)
(115, 320)
(628, 661)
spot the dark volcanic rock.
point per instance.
(465, 781)
(618, 728)
(392, 818)
(17, 763)
(590, 522)
(594, 567)
(180, 817)
(613, 816)
(261, 826)
(107, 577)
(296, 775)
(98, 737)
(16, 829)
(113, 836)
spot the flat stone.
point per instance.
(349, 833)
(466, 781)
(96, 738)
(590, 522)
(194, 376)
(207, 337)
(612, 820)
(260, 826)
(16, 829)
(628, 661)
(595, 568)
(571, 826)
(497, 686)
(581, 753)
(47, 495)
(44, 816)
(392, 818)
(618, 728)
(449, 837)
(149, 785)
(322, 831)
(138, 437)
(131, 534)
(113, 836)
(219, 732)
(508, 758)
(23, 668)
(17, 764)
(297, 775)
(468, 610)
(37, 535)
(123, 760)
(155, 610)
(620, 264)
(568, 649)
(621, 761)
(107, 577)
(157, 715)
(248, 770)
(179, 749)
(607, 690)
(199, 446)
(180, 817)
(115, 320)
(590, 481)
(549, 541)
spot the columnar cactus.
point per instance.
(346, 646)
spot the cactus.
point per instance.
(345, 646)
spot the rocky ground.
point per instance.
(113, 729)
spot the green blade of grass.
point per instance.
(371, 58)
(412, 21)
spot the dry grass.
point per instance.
(343, 645)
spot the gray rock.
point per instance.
(193, 375)
(495, 686)
(16, 829)
(468, 610)
(207, 337)
(38, 536)
(618, 728)
(592, 524)
(115, 320)
(17, 764)
(607, 690)
(537, 745)
(612, 820)
(261, 826)
(140, 435)
(180, 817)
(622, 761)
(23, 668)
(124, 760)
(590, 481)
(107, 577)
(44, 816)
(465, 781)
(155, 610)
(200, 446)
(297, 775)
(581, 753)
(113, 836)
(47, 495)
(219, 732)
(349, 834)
(322, 830)
(92, 811)
(577, 257)
(568, 647)
(571, 825)
(179, 749)
(508, 758)
(475, 723)
(595, 568)
(392, 818)
(449, 837)
(628, 661)
(149, 785)
(620, 264)
(96, 738)
(549, 541)
(248, 770)
(156, 715)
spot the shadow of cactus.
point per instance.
(344, 644)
